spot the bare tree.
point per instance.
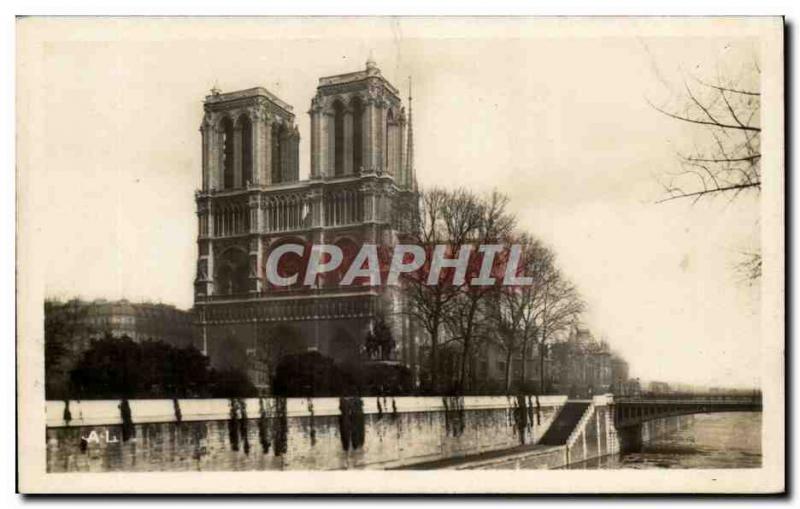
(513, 318)
(511, 311)
(429, 304)
(489, 223)
(750, 266)
(726, 158)
(540, 265)
(503, 313)
(559, 308)
(531, 316)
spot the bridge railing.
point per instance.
(754, 398)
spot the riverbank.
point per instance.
(723, 440)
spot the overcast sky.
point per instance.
(561, 124)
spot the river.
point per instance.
(724, 440)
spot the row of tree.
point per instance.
(457, 315)
(118, 367)
(725, 161)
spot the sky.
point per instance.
(560, 122)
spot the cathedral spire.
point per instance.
(411, 177)
(372, 67)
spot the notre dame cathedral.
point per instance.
(252, 200)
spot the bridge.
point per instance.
(633, 411)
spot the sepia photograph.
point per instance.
(400, 254)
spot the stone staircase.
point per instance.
(565, 423)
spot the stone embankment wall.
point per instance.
(595, 435)
(633, 437)
(283, 434)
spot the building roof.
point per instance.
(222, 97)
(370, 71)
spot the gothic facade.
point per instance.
(253, 201)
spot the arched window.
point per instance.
(338, 138)
(247, 151)
(278, 134)
(232, 272)
(227, 153)
(388, 145)
(358, 147)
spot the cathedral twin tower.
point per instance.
(252, 200)
(358, 125)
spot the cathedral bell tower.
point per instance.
(249, 142)
(358, 125)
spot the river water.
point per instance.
(724, 440)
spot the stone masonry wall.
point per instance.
(664, 426)
(284, 434)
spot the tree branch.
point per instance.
(704, 122)
(727, 89)
(722, 160)
(736, 187)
